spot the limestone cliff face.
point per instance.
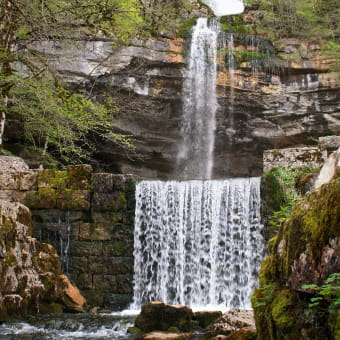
(267, 104)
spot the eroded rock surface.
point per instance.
(277, 105)
(30, 271)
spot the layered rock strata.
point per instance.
(265, 103)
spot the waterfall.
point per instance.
(197, 243)
(195, 156)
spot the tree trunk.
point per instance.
(8, 29)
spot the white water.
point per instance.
(225, 7)
(195, 156)
(197, 243)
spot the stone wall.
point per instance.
(89, 218)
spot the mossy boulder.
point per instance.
(158, 316)
(305, 252)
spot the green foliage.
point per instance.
(328, 293)
(161, 16)
(284, 187)
(52, 118)
(314, 20)
(51, 18)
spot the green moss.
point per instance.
(173, 329)
(118, 248)
(43, 198)
(267, 271)
(185, 26)
(94, 297)
(79, 177)
(120, 202)
(11, 260)
(281, 310)
(69, 199)
(133, 330)
(46, 308)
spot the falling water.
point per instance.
(195, 157)
(197, 243)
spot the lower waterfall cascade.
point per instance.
(197, 243)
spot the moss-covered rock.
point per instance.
(303, 253)
(160, 316)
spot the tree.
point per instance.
(34, 98)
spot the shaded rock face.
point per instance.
(89, 219)
(30, 271)
(306, 251)
(160, 316)
(273, 107)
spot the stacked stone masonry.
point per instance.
(89, 218)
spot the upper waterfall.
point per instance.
(225, 7)
(195, 156)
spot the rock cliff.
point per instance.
(30, 271)
(299, 280)
(268, 103)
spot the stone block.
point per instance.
(79, 177)
(95, 232)
(52, 179)
(107, 217)
(118, 248)
(97, 265)
(78, 264)
(86, 248)
(122, 232)
(119, 265)
(117, 301)
(45, 198)
(102, 182)
(115, 201)
(84, 281)
(105, 283)
(9, 181)
(28, 180)
(124, 284)
(69, 199)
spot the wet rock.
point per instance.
(71, 296)
(29, 270)
(165, 336)
(205, 318)
(160, 316)
(231, 322)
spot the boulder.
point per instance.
(158, 316)
(330, 170)
(329, 142)
(231, 322)
(166, 336)
(205, 318)
(71, 296)
(12, 164)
